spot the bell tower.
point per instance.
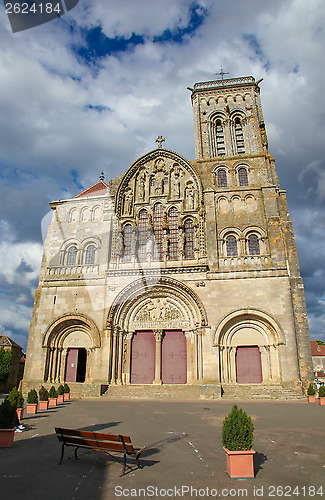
(228, 119)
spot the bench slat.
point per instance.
(95, 443)
(93, 435)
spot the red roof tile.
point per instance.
(317, 350)
(97, 189)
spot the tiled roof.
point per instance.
(6, 341)
(317, 350)
(320, 374)
(97, 189)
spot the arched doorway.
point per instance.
(162, 325)
(248, 343)
(70, 340)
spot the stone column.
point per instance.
(55, 364)
(119, 359)
(127, 357)
(114, 351)
(158, 336)
(108, 335)
(199, 356)
(64, 353)
(264, 364)
(49, 362)
(232, 364)
(275, 362)
(190, 351)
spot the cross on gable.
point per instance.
(160, 140)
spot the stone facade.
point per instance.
(177, 272)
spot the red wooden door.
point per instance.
(248, 365)
(72, 365)
(143, 358)
(174, 359)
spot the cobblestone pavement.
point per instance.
(183, 457)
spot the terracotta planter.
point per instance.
(20, 413)
(321, 401)
(53, 401)
(311, 399)
(60, 398)
(43, 405)
(31, 407)
(7, 437)
(240, 464)
(66, 396)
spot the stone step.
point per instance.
(175, 391)
(255, 391)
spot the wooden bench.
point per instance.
(98, 442)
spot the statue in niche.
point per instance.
(181, 241)
(150, 245)
(128, 202)
(176, 182)
(141, 186)
(190, 193)
(159, 183)
(119, 245)
(196, 240)
(165, 242)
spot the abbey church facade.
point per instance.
(178, 272)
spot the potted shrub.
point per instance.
(321, 395)
(53, 395)
(43, 398)
(237, 439)
(66, 395)
(17, 400)
(311, 394)
(7, 426)
(32, 400)
(60, 393)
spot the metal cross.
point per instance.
(160, 140)
(102, 176)
(222, 73)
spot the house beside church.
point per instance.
(177, 273)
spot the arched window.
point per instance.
(72, 256)
(231, 244)
(222, 178)
(239, 137)
(188, 230)
(158, 217)
(127, 232)
(90, 254)
(253, 245)
(173, 233)
(220, 139)
(242, 176)
(142, 235)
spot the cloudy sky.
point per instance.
(92, 90)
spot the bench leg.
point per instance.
(75, 452)
(62, 453)
(124, 464)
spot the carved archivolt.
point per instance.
(270, 331)
(146, 304)
(68, 323)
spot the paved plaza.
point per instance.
(183, 456)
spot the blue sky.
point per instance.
(92, 90)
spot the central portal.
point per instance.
(174, 359)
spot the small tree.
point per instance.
(66, 389)
(43, 394)
(32, 397)
(60, 390)
(5, 364)
(237, 430)
(16, 398)
(321, 391)
(311, 390)
(7, 415)
(53, 393)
